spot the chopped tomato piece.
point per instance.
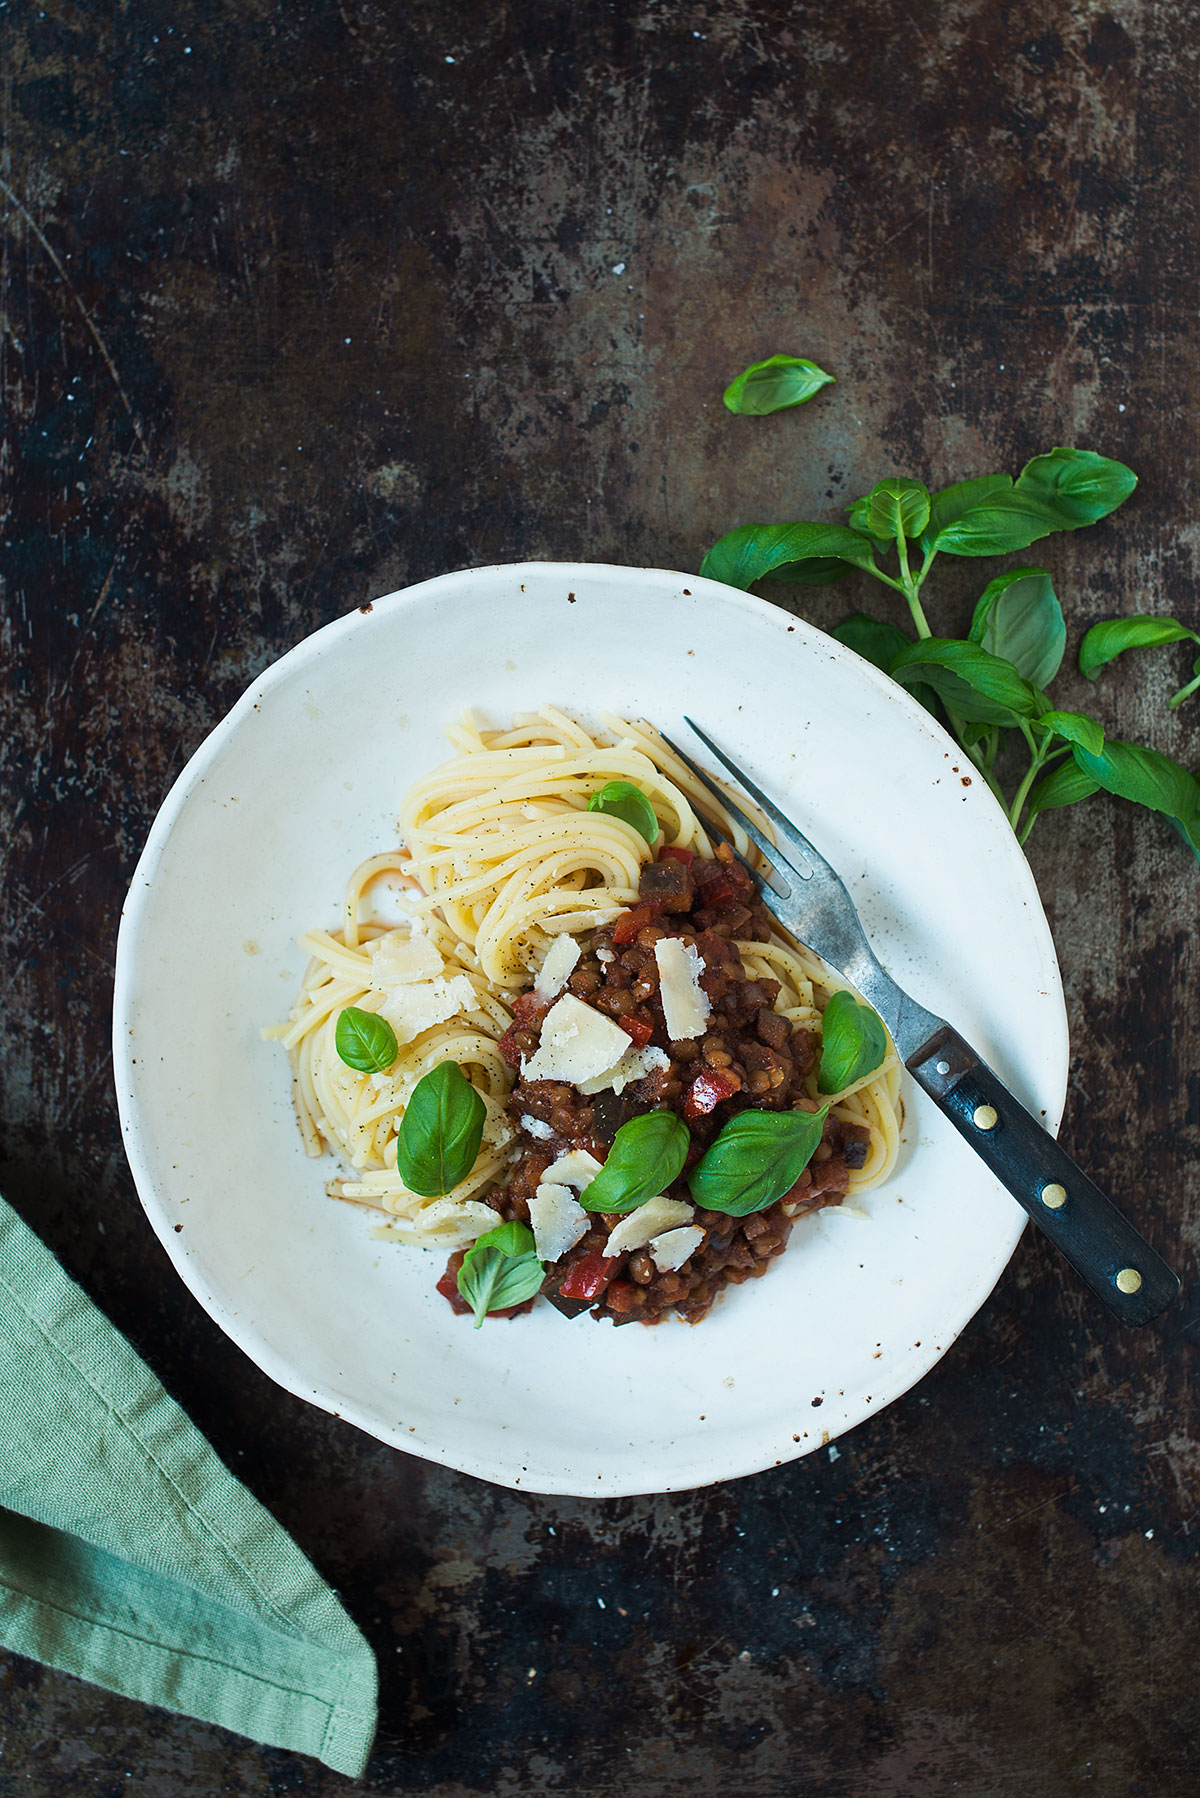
(710, 1086)
(589, 1276)
(637, 918)
(718, 889)
(635, 1028)
(530, 1008)
(686, 856)
(448, 1285)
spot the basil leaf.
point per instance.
(1066, 785)
(1145, 777)
(1141, 630)
(821, 571)
(775, 384)
(853, 1043)
(647, 1154)
(758, 1156)
(1073, 727)
(875, 641)
(365, 1041)
(755, 551)
(621, 799)
(1018, 617)
(1005, 521)
(1058, 492)
(954, 502)
(501, 1269)
(897, 508)
(1078, 486)
(440, 1132)
(858, 516)
(981, 687)
(880, 644)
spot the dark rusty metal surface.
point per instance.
(305, 302)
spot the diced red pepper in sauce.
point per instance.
(718, 890)
(630, 922)
(635, 1028)
(589, 1276)
(686, 856)
(710, 1086)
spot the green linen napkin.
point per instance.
(132, 1557)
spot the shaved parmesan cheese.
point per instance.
(557, 968)
(577, 1168)
(685, 1004)
(605, 955)
(577, 1043)
(556, 1220)
(635, 1064)
(424, 1003)
(397, 959)
(670, 1250)
(649, 1220)
(534, 1127)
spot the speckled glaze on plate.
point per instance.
(253, 845)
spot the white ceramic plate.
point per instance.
(253, 846)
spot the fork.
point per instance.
(1096, 1238)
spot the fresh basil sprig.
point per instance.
(853, 1043)
(501, 1269)
(621, 799)
(758, 1156)
(990, 685)
(1139, 631)
(365, 1041)
(774, 385)
(440, 1132)
(647, 1153)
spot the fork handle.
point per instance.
(1100, 1243)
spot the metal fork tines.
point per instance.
(815, 906)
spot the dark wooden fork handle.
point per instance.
(1098, 1240)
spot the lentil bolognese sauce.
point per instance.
(748, 1055)
(557, 1034)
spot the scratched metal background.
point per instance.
(306, 301)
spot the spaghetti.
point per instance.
(501, 856)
